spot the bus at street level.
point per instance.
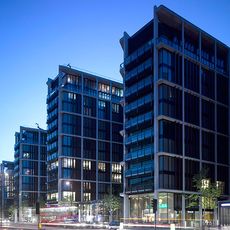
(59, 214)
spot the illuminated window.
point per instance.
(26, 155)
(116, 168)
(101, 166)
(205, 183)
(68, 196)
(220, 185)
(86, 186)
(87, 196)
(101, 104)
(116, 178)
(68, 163)
(87, 165)
(74, 80)
(103, 88)
(116, 91)
(115, 108)
(53, 196)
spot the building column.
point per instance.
(155, 101)
(59, 146)
(183, 129)
(200, 130)
(126, 207)
(215, 124)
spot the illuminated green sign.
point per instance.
(163, 206)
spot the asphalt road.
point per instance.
(13, 226)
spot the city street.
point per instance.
(69, 226)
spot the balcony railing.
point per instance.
(139, 69)
(139, 153)
(139, 120)
(89, 91)
(139, 52)
(137, 188)
(166, 41)
(139, 171)
(139, 86)
(140, 102)
(72, 87)
(140, 136)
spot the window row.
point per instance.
(170, 140)
(170, 69)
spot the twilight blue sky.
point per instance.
(38, 35)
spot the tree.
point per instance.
(207, 192)
(111, 204)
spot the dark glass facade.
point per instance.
(176, 108)
(7, 191)
(30, 170)
(84, 140)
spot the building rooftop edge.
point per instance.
(82, 71)
(163, 7)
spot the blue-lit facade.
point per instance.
(6, 189)
(29, 172)
(85, 146)
(176, 113)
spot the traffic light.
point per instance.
(154, 205)
(37, 207)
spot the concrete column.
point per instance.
(126, 207)
(215, 112)
(20, 180)
(155, 101)
(97, 143)
(82, 122)
(200, 203)
(228, 69)
(183, 129)
(39, 163)
(59, 144)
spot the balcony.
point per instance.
(139, 153)
(139, 103)
(141, 85)
(138, 53)
(134, 73)
(192, 55)
(139, 171)
(122, 69)
(140, 136)
(52, 95)
(72, 87)
(144, 187)
(175, 45)
(139, 120)
(91, 92)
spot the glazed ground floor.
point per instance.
(64, 213)
(172, 208)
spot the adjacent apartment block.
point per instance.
(6, 190)
(29, 171)
(84, 146)
(176, 96)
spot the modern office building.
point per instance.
(85, 147)
(176, 96)
(6, 190)
(29, 171)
